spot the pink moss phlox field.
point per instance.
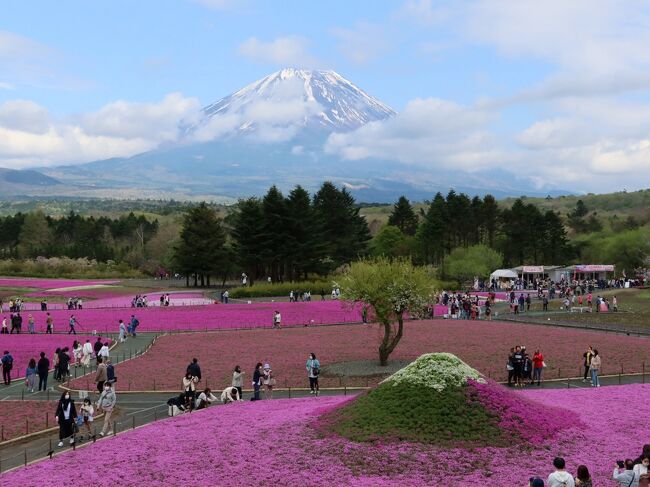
(274, 443)
(197, 318)
(525, 418)
(483, 345)
(22, 417)
(24, 347)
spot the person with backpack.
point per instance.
(98, 346)
(194, 369)
(7, 364)
(313, 371)
(134, 325)
(43, 368)
(110, 372)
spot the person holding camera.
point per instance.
(624, 473)
(189, 387)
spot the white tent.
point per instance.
(503, 274)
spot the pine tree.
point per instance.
(304, 236)
(246, 232)
(403, 217)
(433, 230)
(202, 239)
(275, 233)
(345, 232)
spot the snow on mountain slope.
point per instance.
(290, 100)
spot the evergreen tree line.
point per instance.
(522, 233)
(277, 236)
(30, 235)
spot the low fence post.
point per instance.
(47, 420)
(26, 426)
(643, 365)
(133, 417)
(25, 456)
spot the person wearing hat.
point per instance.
(269, 381)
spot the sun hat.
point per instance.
(267, 366)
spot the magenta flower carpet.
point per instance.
(24, 347)
(200, 318)
(275, 443)
(483, 345)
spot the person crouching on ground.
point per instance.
(230, 394)
(205, 398)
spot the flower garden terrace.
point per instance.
(348, 353)
(204, 317)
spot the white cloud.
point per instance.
(6, 86)
(431, 133)
(216, 4)
(29, 136)
(25, 116)
(283, 51)
(363, 43)
(146, 120)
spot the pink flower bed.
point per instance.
(483, 345)
(209, 317)
(273, 443)
(19, 418)
(24, 347)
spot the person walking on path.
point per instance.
(30, 375)
(106, 404)
(594, 367)
(238, 381)
(31, 326)
(122, 331)
(43, 368)
(101, 376)
(86, 353)
(66, 415)
(277, 319)
(7, 364)
(98, 346)
(64, 364)
(77, 353)
(588, 355)
(87, 412)
(73, 323)
(49, 324)
(313, 371)
(134, 325)
(538, 366)
(55, 363)
(257, 382)
(104, 352)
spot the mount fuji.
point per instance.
(272, 131)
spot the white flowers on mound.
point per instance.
(436, 371)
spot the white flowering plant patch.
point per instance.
(436, 371)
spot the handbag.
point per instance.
(644, 480)
(543, 364)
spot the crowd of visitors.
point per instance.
(627, 473)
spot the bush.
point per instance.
(283, 289)
(65, 267)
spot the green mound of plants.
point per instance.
(427, 401)
(281, 289)
(437, 371)
(408, 412)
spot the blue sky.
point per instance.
(559, 85)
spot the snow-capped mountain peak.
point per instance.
(296, 99)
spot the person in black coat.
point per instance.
(194, 369)
(64, 363)
(257, 381)
(66, 415)
(43, 368)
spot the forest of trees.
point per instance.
(299, 235)
(31, 235)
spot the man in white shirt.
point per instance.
(560, 478)
(277, 319)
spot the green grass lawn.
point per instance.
(633, 305)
